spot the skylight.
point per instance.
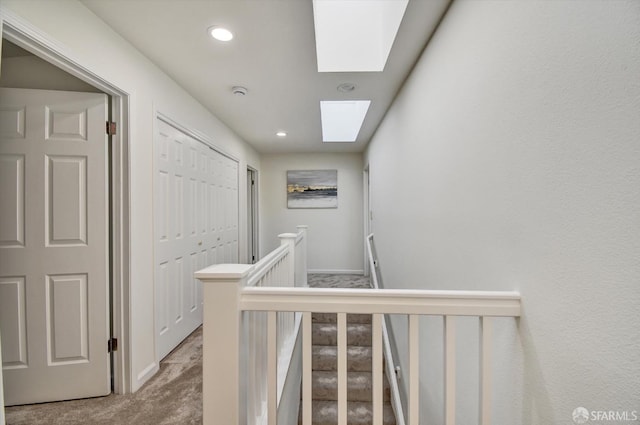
(341, 120)
(355, 35)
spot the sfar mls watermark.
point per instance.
(582, 415)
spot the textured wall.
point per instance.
(511, 161)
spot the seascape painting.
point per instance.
(312, 189)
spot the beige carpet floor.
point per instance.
(173, 396)
(338, 281)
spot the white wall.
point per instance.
(336, 241)
(511, 161)
(91, 43)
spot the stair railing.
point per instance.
(390, 366)
(227, 297)
(285, 267)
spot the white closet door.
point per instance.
(227, 238)
(196, 197)
(54, 293)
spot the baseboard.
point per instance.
(333, 271)
(145, 375)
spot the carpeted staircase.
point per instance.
(359, 380)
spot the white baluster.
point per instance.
(264, 360)
(281, 333)
(450, 370)
(414, 370)
(486, 336)
(284, 266)
(272, 369)
(248, 320)
(261, 360)
(257, 359)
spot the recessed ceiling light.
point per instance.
(281, 134)
(221, 34)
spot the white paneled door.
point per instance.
(54, 293)
(196, 225)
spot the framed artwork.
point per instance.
(312, 189)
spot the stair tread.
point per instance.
(325, 357)
(332, 318)
(350, 326)
(327, 334)
(351, 349)
(359, 386)
(358, 413)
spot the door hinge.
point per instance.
(111, 128)
(253, 182)
(112, 345)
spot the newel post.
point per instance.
(289, 239)
(302, 228)
(221, 351)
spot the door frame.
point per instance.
(23, 34)
(253, 233)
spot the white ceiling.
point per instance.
(272, 55)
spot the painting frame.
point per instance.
(312, 189)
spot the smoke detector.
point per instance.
(239, 90)
(346, 87)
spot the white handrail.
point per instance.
(382, 301)
(392, 375)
